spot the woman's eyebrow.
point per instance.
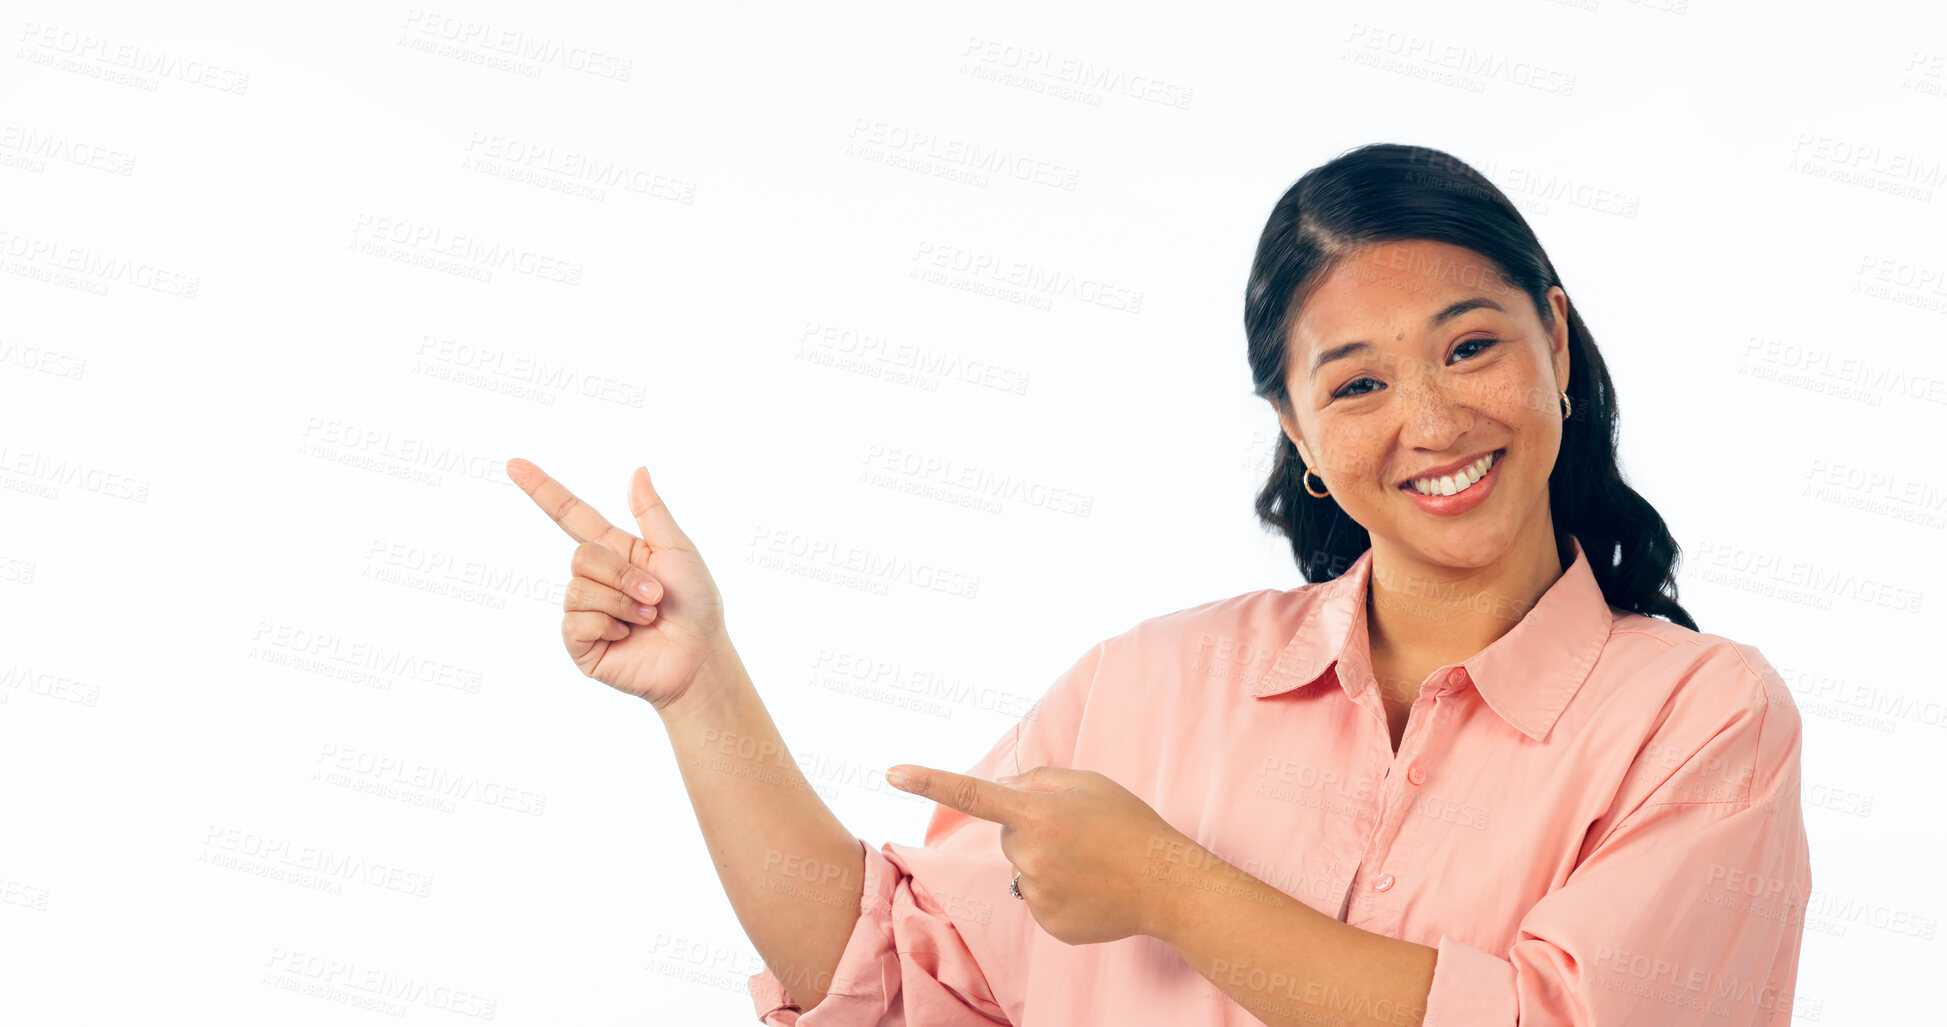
(1445, 314)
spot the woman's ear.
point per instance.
(1558, 340)
(1290, 427)
(1288, 424)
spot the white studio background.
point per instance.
(267, 596)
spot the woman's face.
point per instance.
(1455, 364)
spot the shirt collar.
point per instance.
(1527, 676)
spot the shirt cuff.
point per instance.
(1471, 988)
(861, 986)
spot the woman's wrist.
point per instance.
(720, 673)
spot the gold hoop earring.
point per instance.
(1567, 407)
(1306, 480)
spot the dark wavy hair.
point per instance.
(1388, 192)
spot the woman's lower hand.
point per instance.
(1091, 853)
(643, 614)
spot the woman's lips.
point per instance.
(1464, 500)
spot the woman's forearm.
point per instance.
(1287, 963)
(793, 873)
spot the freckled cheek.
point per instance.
(1356, 453)
(1516, 398)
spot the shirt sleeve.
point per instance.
(1690, 910)
(939, 941)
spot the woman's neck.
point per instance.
(1425, 614)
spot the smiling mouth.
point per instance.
(1457, 482)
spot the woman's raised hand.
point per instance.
(644, 615)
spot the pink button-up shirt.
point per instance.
(1595, 820)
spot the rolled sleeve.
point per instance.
(939, 941)
(1689, 911)
(1470, 987)
(861, 992)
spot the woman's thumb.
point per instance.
(658, 528)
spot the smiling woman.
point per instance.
(1482, 769)
(1461, 337)
(1427, 368)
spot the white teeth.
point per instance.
(1457, 482)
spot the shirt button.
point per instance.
(1416, 774)
(1385, 881)
(1457, 676)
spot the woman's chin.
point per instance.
(1459, 546)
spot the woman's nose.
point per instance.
(1432, 414)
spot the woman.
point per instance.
(1463, 776)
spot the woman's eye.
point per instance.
(1346, 389)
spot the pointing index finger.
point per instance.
(970, 795)
(582, 522)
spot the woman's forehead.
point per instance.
(1394, 288)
